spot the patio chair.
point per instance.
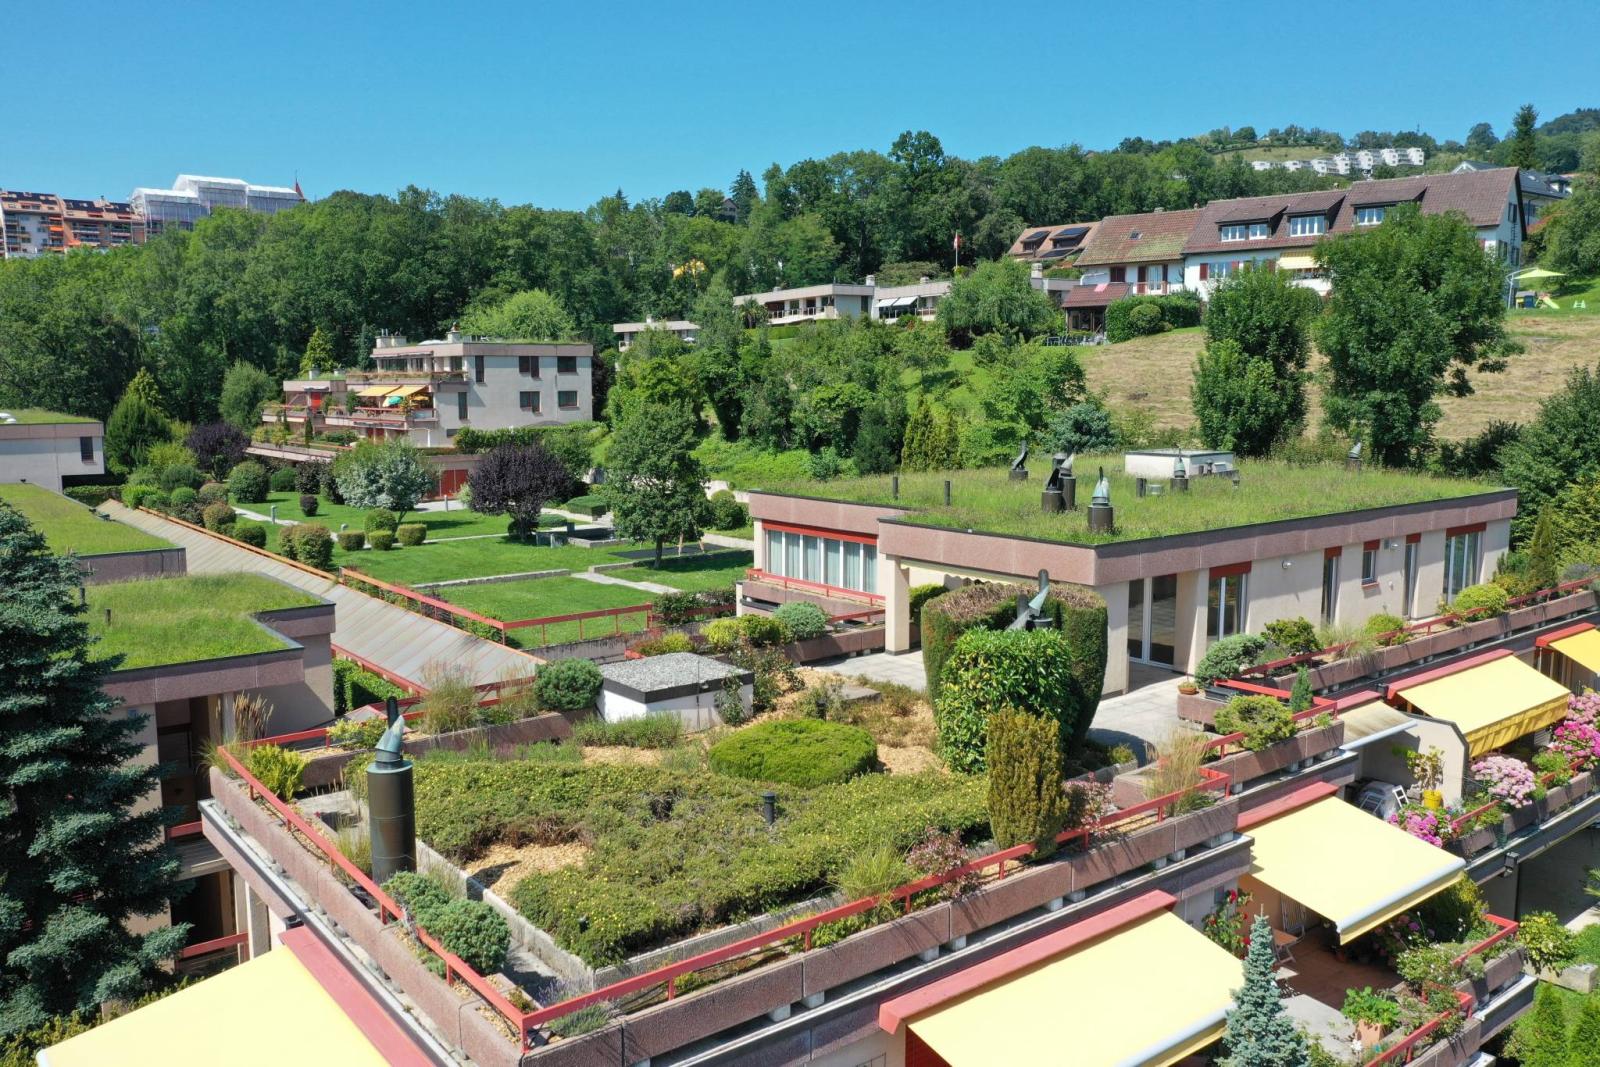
(1289, 932)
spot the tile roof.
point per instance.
(1037, 242)
(1095, 296)
(1161, 237)
(1479, 195)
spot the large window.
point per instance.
(1226, 606)
(824, 560)
(566, 364)
(527, 401)
(567, 398)
(1238, 232)
(528, 365)
(1330, 586)
(1369, 216)
(1307, 225)
(1461, 561)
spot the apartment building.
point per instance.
(810, 303)
(193, 197)
(628, 332)
(38, 223)
(47, 448)
(1362, 161)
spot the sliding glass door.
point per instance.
(1153, 620)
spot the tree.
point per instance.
(1239, 404)
(1572, 236)
(1542, 558)
(655, 485)
(1026, 802)
(1082, 428)
(1269, 317)
(1300, 696)
(389, 475)
(319, 357)
(78, 862)
(245, 387)
(531, 315)
(1556, 449)
(1585, 1041)
(1260, 1033)
(518, 480)
(717, 359)
(1481, 139)
(135, 424)
(217, 447)
(997, 297)
(1416, 303)
(875, 450)
(744, 195)
(1523, 145)
(1539, 1038)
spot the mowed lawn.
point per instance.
(692, 574)
(537, 598)
(452, 560)
(457, 522)
(183, 620)
(70, 527)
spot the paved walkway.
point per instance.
(601, 578)
(398, 640)
(905, 669)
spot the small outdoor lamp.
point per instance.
(272, 511)
(1101, 515)
(769, 807)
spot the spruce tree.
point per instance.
(1260, 1033)
(135, 424)
(76, 862)
(920, 428)
(1584, 1048)
(1539, 1038)
(1300, 696)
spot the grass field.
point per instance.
(693, 574)
(183, 620)
(452, 523)
(39, 416)
(451, 560)
(68, 526)
(537, 598)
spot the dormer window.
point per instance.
(1134, 236)
(1369, 216)
(1233, 233)
(1307, 225)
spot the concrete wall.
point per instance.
(698, 711)
(44, 454)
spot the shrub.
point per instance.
(993, 671)
(213, 493)
(251, 533)
(1375, 1009)
(309, 543)
(179, 476)
(451, 702)
(1480, 601)
(134, 496)
(919, 595)
(419, 894)
(410, 534)
(1228, 657)
(282, 480)
(1263, 720)
(279, 769)
(311, 476)
(358, 735)
(723, 635)
(356, 687)
(474, 931)
(804, 620)
(802, 752)
(665, 644)
(661, 730)
(216, 516)
(308, 504)
(380, 519)
(821, 701)
(568, 684)
(351, 540)
(675, 609)
(247, 483)
(764, 631)
(1383, 623)
(90, 495)
(1548, 944)
(1127, 318)
(183, 497)
(382, 540)
(157, 499)
(1295, 636)
(726, 512)
(1026, 802)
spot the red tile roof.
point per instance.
(1161, 237)
(1095, 296)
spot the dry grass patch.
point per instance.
(502, 866)
(618, 755)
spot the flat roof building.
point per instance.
(193, 197)
(34, 224)
(47, 447)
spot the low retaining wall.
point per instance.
(127, 566)
(324, 766)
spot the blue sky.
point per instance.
(557, 105)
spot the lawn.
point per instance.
(692, 574)
(69, 527)
(1568, 293)
(986, 500)
(535, 598)
(457, 522)
(452, 560)
(40, 417)
(183, 620)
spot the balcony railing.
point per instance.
(379, 377)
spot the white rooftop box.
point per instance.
(1159, 462)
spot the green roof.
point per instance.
(70, 527)
(988, 501)
(39, 416)
(186, 620)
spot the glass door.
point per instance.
(1153, 620)
(1136, 619)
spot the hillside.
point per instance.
(1154, 373)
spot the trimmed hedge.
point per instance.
(380, 519)
(919, 595)
(251, 533)
(568, 684)
(411, 534)
(1124, 320)
(1480, 601)
(355, 687)
(351, 540)
(804, 620)
(382, 540)
(91, 495)
(216, 516)
(213, 493)
(989, 672)
(307, 542)
(796, 752)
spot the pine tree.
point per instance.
(1260, 1033)
(319, 355)
(1539, 1038)
(914, 452)
(1542, 552)
(1300, 696)
(136, 423)
(1584, 1047)
(1524, 151)
(77, 862)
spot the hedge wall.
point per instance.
(1177, 310)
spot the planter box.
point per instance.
(1197, 707)
(1247, 766)
(1455, 1051)
(324, 766)
(843, 643)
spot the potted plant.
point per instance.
(1188, 687)
(1427, 770)
(1373, 1013)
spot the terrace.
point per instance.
(1268, 491)
(189, 619)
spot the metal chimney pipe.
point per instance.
(769, 807)
(392, 802)
(947, 492)
(894, 486)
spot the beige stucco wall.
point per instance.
(45, 460)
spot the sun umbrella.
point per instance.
(1536, 273)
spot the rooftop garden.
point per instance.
(69, 527)
(1269, 490)
(41, 417)
(185, 620)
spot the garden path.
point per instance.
(397, 640)
(600, 578)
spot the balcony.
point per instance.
(392, 418)
(399, 377)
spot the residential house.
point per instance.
(1054, 246)
(811, 303)
(898, 301)
(628, 332)
(1540, 191)
(1128, 255)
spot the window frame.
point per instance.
(1260, 231)
(86, 449)
(1308, 225)
(1330, 586)
(528, 366)
(1370, 216)
(1233, 231)
(566, 364)
(1369, 563)
(528, 400)
(563, 405)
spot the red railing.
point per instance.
(444, 608)
(205, 948)
(183, 829)
(614, 614)
(1416, 1041)
(382, 672)
(1426, 626)
(755, 574)
(1159, 808)
(273, 556)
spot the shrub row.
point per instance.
(1127, 319)
(470, 929)
(355, 687)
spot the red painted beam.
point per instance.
(1306, 794)
(1570, 631)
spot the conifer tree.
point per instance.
(1260, 1033)
(913, 453)
(1300, 696)
(1542, 552)
(136, 423)
(76, 862)
(1539, 1038)
(1025, 798)
(1584, 1048)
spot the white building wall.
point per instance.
(46, 460)
(697, 711)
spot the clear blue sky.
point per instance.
(559, 107)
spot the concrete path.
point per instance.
(601, 578)
(398, 640)
(905, 669)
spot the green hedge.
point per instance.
(589, 504)
(355, 687)
(1177, 310)
(796, 751)
(989, 672)
(92, 495)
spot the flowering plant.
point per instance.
(1584, 706)
(1403, 932)
(1508, 780)
(1228, 924)
(1579, 741)
(1425, 824)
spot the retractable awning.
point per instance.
(1297, 262)
(1013, 1007)
(1353, 869)
(1371, 721)
(409, 390)
(376, 391)
(1582, 648)
(1493, 699)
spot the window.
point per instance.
(1413, 543)
(567, 398)
(1134, 235)
(1460, 560)
(1330, 584)
(824, 560)
(1369, 216)
(528, 365)
(566, 364)
(528, 401)
(1307, 225)
(1221, 270)
(1233, 233)
(477, 369)
(461, 407)
(1369, 563)
(1258, 231)
(86, 449)
(1225, 606)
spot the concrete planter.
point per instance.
(1242, 767)
(324, 766)
(1456, 1050)
(1197, 707)
(843, 643)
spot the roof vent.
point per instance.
(1102, 518)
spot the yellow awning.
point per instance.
(1583, 649)
(376, 390)
(222, 1018)
(1493, 703)
(1371, 720)
(1180, 982)
(1353, 869)
(409, 390)
(1297, 262)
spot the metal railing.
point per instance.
(756, 574)
(1417, 1040)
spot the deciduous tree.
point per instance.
(388, 474)
(245, 387)
(655, 487)
(518, 480)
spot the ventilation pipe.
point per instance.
(391, 803)
(1102, 519)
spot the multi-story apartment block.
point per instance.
(810, 303)
(193, 197)
(36, 223)
(1345, 162)
(628, 332)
